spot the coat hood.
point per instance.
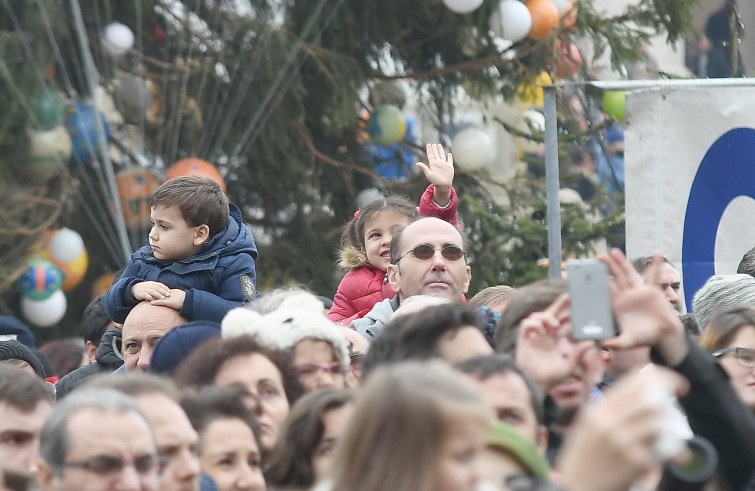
(352, 258)
(235, 238)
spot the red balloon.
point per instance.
(195, 167)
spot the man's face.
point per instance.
(462, 344)
(176, 442)
(669, 282)
(120, 437)
(576, 390)
(19, 434)
(509, 398)
(436, 275)
(146, 325)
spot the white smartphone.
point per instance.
(591, 313)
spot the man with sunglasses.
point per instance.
(427, 258)
(117, 453)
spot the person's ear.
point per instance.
(91, 350)
(468, 280)
(542, 439)
(394, 275)
(45, 476)
(201, 234)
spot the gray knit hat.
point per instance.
(721, 292)
(15, 350)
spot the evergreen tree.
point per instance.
(273, 94)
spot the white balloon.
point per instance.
(66, 245)
(133, 91)
(44, 313)
(512, 21)
(472, 149)
(117, 39)
(463, 6)
(47, 144)
(535, 119)
(561, 5)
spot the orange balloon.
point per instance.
(74, 271)
(193, 166)
(102, 284)
(544, 18)
(135, 188)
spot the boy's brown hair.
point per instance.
(199, 199)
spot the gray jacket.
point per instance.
(375, 320)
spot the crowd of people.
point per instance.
(405, 381)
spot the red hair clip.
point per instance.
(356, 214)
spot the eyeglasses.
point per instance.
(745, 356)
(426, 251)
(312, 369)
(356, 363)
(106, 465)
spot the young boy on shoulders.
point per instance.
(200, 257)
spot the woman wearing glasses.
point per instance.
(319, 353)
(730, 337)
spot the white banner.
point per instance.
(690, 178)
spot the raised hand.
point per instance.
(645, 316)
(618, 433)
(544, 350)
(150, 290)
(439, 170)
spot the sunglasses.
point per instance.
(426, 251)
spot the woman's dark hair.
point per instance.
(290, 463)
(204, 363)
(209, 404)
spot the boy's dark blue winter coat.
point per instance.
(220, 277)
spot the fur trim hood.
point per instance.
(283, 329)
(352, 258)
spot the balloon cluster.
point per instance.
(537, 19)
(58, 264)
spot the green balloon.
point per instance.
(49, 108)
(387, 125)
(615, 104)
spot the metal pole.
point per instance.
(92, 79)
(552, 182)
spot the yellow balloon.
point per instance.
(532, 92)
(74, 271)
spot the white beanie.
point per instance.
(284, 328)
(722, 292)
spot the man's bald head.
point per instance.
(145, 325)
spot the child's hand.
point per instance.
(440, 172)
(439, 169)
(175, 300)
(150, 290)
